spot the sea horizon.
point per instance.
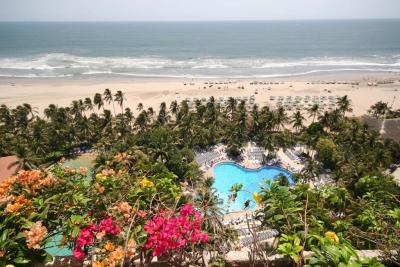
(201, 21)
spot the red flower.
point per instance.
(187, 210)
(141, 213)
(78, 253)
(107, 225)
(86, 235)
(170, 233)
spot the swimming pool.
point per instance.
(226, 174)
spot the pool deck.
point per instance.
(287, 163)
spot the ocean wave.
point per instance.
(276, 75)
(281, 75)
(308, 63)
(67, 65)
(35, 76)
(201, 76)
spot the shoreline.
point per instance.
(341, 74)
(151, 92)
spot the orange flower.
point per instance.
(120, 156)
(46, 181)
(141, 213)
(69, 170)
(35, 235)
(28, 177)
(13, 208)
(2, 253)
(109, 246)
(6, 198)
(100, 235)
(125, 209)
(108, 172)
(6, 184)
(100, 188)
(131, 248)
(116, 255)
(22, 200)
(123, 158)
(98, 264)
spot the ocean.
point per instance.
(262, 49)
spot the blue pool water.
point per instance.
(227, 174)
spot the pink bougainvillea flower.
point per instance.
(87, 234)
(166, 232)
(78, 253)
(187, 210)
(107, 225)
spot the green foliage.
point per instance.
(369, 221)
(282, 179)
(149, 162)
(281, 209)
(327, 252)
(290, 246)
(59, 205)
(327, 152)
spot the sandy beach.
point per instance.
(363, 89)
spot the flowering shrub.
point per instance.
(87, 234)
(146, 183)
(35, 235)
(32, 208)
(168, 233)
(118, 216)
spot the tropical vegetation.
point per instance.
(148, 198)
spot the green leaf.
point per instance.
(21, 260)
(295, 258)
(4, 236)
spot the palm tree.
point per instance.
(108, 97)
(211, 206)
(297, 121)
(98, 101)
(139, 107)
(76, 109)
(174, 108)
(344, 104)
(379, 109)
(280, 117)
(27, 159)
(310, 171)
(142, 120)
(231, 106)
(31, 110)
(313, 111)
(5, 117)
(119, 97)
(163, 116)
(88, 103)
(235, 189)
(50, 111)
(128, 116)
